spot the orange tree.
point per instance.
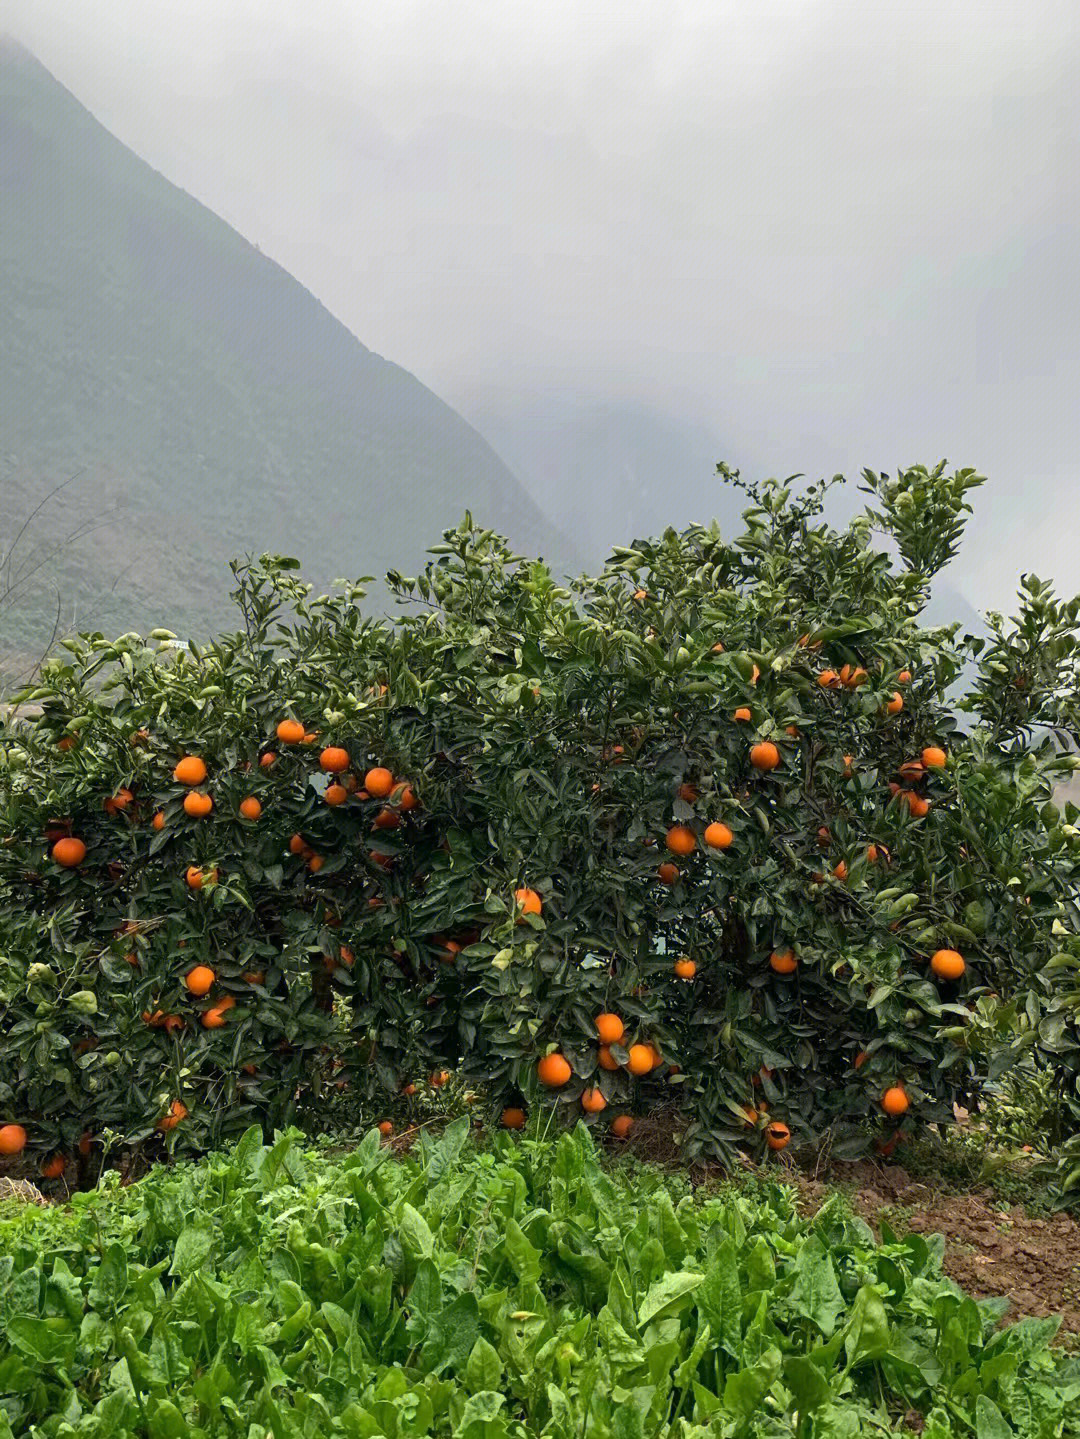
(716, 794)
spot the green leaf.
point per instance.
(720, 1298)
(484, 1367)
(50, 1341)
(989, 1423)
(745, 1390)
(867, 1335)
(110, 1278)
(416, 1238)
(667, 1296)
(193, 1247)
(806, 1382)
(816, 1294)
(523, 1258)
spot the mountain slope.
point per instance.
(209, 403)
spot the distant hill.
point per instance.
(210, 404)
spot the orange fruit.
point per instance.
(53, 1168)
(854, 678)
(605, 1059)
(117, 803)
(267, 760)
(777, 1135)
(687, 793)
(947, 964)
(334, 759)
(449, 952)
(685, 968)
(840, 870)
(200, 980)
(917, 805)
(335, 794)
(742, 715)
(315, 863)
(896, 704)
(378, 782)
(254, 976)
(828, 679)
(792, 731)
(718, 836)
(895, 1101)
(681, 840)
(86, 1139)
(912, 769)
(871, 854)
(197, 877)
(387, 819)
(311, 736)
(527, 901)
(190, 769)
(640, 595)
(718, 648)
(668, 873)
(197, 804)
(439, 1078)
(933, 757)
(765, 755)
(386, 1128)
(404, 797)
(860, 1059)
(784, 961)
(158, 821)
(640, 1059)
(177, 1112)
(12, 1139)
(290, 731)
(904, 677)
(592, 1101)
(610, 1028)
(750, 1114)
(553, 1070)
(621, 1126)
(250, 808)
(66, 742)
(214, 1017)
(69, 852)
(408, 1090)
(513, 1118)
(824, 837)
(297, 844)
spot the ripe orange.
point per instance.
(681, 840)
(69, 852)
(197, 877)
(254, 976)
(378, 782)
(606, 1059)
(404, 797)
(553, 1070)
(904, 677)
(250, 808)
(765, 755)
(640, 595)
(592, 1101)
(268, 759)
(621, 1126)
(854, 678)
(933, 757)
(290, 731)
(66, 742)
(896, 704)
(792, 731)
(685, 968)
(315, 863)
(335, 794)
(742, 715)
(297, 844)
(849, 760)
(158, 821)
(871, 854)
(610, 1028)
(527, 901)
(386, 819)
(640, 1059)
(513, 1118)
(840, 870)
(12, 1139)
(311, 736)
(824, 837)
(828, 679)
(718, 836)
(860, 1059)
(448, 952)
(386, 1128)
(895, 1101)
(687, 793)
(214, 1017)
(784, 961)
(53, 1168)
(118, 802)
(947, 964)
(200, 980)
(334, 759)
(197, 804)
(439, 1078)
(917, 805)
(190, 769)
(777, 1135)
(668, 873)
(86, 1139)
(177, 1112)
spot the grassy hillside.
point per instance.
(208, 403)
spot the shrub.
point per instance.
(537, 854)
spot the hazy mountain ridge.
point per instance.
(207, 398)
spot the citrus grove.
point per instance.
(716, 832)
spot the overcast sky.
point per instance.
(838, 234)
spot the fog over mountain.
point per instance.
(827, 235)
